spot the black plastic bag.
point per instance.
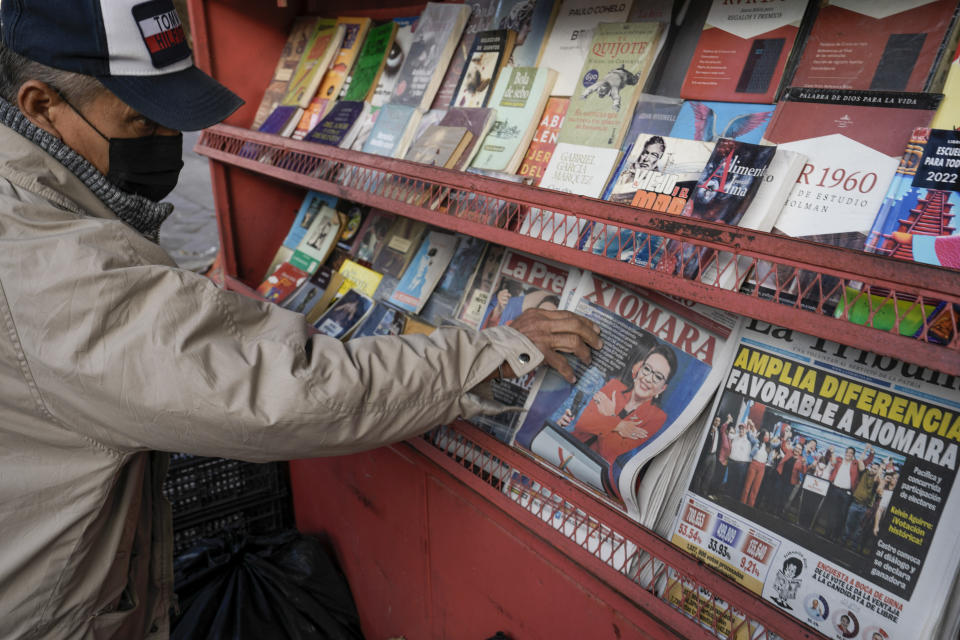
(253, 587)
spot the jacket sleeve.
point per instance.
(156, 358)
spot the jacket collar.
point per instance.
(144, 215)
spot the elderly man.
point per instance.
(109, 354)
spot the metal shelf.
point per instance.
(802, 284)
(632, 560)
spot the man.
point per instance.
(707, 467)
(844, 476)
(863, 498)
(738, 460)
(612, 83)
(109, 354)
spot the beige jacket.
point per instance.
(109, 352)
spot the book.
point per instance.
(365, 127)
(710, 120)
(396, 253)
(392, 130)
(424, 272)
(383, 320)
(569, 39)
(532, 20)
(439, 146)
(319, 240)
(522, 282)
(476, 293)
(742, 51)
(853, 141)
(544, 140)
(659, 173)
(300, 32)
(316, 293)
(948, 113)
(609, 84)
(661, 12)
(399, 49)
(480, 19)
(674, 61)
(370, 62)
(353, 214)
(372, 234)
(310, 117)
(340, 125)
(478, 120)
(916, 220)
(882, 46)
(309, 208)
(354, 38)
(433, 116)
(661, 362)
(344, 315)
(653, 115)
(723, 193)
(356, 276)
(415, 326)
(282, 121)
(519, 98)
(434, 40)
(316, 58)
(441, 306)
(488, 55)
(283, 281)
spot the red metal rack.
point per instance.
(456, 535)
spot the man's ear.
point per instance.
(41, 104)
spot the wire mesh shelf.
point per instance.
(889, 306)
(676, 588)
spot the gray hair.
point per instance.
(15, 69)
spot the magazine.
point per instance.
(824, 478)
(660, 363)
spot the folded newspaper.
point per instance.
(825, 483)
(661, 361)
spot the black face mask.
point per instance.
(148, 166)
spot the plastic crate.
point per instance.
(257, 518)
(197, 485)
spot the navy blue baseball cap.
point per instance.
(137, 49)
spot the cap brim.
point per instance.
(187, 100)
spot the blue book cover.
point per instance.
(313, 202)
(335, 126)
(383, 320)
(388, 130)
(709, 121)
(424, 272)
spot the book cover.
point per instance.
(478, 120)
(306, 214)
(544, 140)
(367, 120)
(392, 130)
(424, 272)
(743, 50)
(310, 117)
(532, 20)
(442, 304)
(569, 40)
(344, 315)
(439, 146)
(399, 49)
(488, 55)
(709, 120)
(319, 240)
(383, 320)
(337, 125)
(404, 236)
(519, 99)
(434, 39)
(282, 282)
(433, 116)
(372, 234)
(674, 60)
(883, 45)
(723, 194)
(415, 326)
(659, 173)
(297, 40)
(315, 292)
(282, 121)
(523, 282)
(313, 64)
(916, 221)
(609, 84)
(481, 19)
(653, 115)
(853, 141)
(659, 11)
(370, 62)
(476, 293)
(354, 37)
(356, 276)
(353, 214)
(948, 113)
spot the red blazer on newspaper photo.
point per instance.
(610, 444)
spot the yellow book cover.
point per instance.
(358, 277)
(318, 55)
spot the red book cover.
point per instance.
(743, 51)
(282, 282)
(544, 140)
(882, 45)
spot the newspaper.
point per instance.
(661, 360)
(822, 481)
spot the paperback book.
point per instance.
(392, 130)
(316, 58)
(544, 140)
(372, 235)
(399, 50)
(282, 282)
(476, 293)
(344, 315)
(424, 271)
(319, 240)
(481, 19)
(315, 293)
(402, 240)
(297, 40)
(339, 125)
(383, 320)
(370, 62)
(532, 20)
(701, 120)
(309, 208)
(490, 51)
(441, 306)
(477, 120)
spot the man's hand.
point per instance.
(555, 333)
